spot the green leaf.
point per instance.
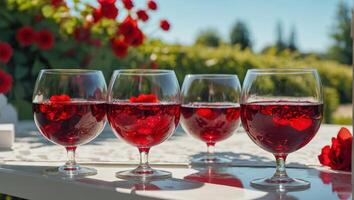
(37, 66)
(20, 91)
(20, 57)
(24, 109)
(47, 11)
(21, 71)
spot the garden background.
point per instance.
(109, 35)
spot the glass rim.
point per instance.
(69, 71)
(212, 76)
(282, 70)
(143, 71)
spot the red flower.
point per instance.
(128, 4)
(5, 82)
(60, 98)
(338, 156)
(144, 98)
(25, 36)
(97, 14)
(82, 34)
(6, 52)
(45, 39)
(119, 47)
(152, 5)
(165, 25)
(142, 15)
(128, 26)
(137, 39)
(109, 11)
(57, 3)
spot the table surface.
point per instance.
(31, 149)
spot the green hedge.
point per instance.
(336, 78)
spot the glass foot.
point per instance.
(207, 160)
(71, 173)
(280, 185)
(141, 174)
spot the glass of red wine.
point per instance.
(69, 108)
(143, 110)
(210, 111)
(281, 111)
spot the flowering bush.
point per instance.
(339, 155)
(65, 34)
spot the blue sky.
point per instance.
(313, 19)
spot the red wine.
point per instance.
(281, 127)
(210, 122)
(70, 123)
(143, 124)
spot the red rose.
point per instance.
(142, 15)
(57, 3)
(82, 34)
(109, 11)
(120, 48)
(129, 29)
(97, 14)
(137, 39)
(165, 25)
(338, 156)
(128, 4)
(144, 98)
(152, 5)
(6, 52)
(128, 26)
(5, 82)
(45, 39)
(25, 36)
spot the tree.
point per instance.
(279, 44)
(208, 37)
(292, 40)
(240, 35)
(342, 50)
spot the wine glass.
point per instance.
(281, 111)
(69, 108)
(210, 111)
(143, 110)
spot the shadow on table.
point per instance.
(171, 184)
(246, 159)
(163, 184)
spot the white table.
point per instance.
(21, 173)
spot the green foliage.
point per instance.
(342, 48)
(331, 103)
(209, 38)
(343, 120)
(240, 35)
(337, 78)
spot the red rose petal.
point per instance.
(343, 135)
(300, 124)
(144, 98)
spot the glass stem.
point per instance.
(210, 151)
(144, 159)
(71, 162)
(280, 172)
